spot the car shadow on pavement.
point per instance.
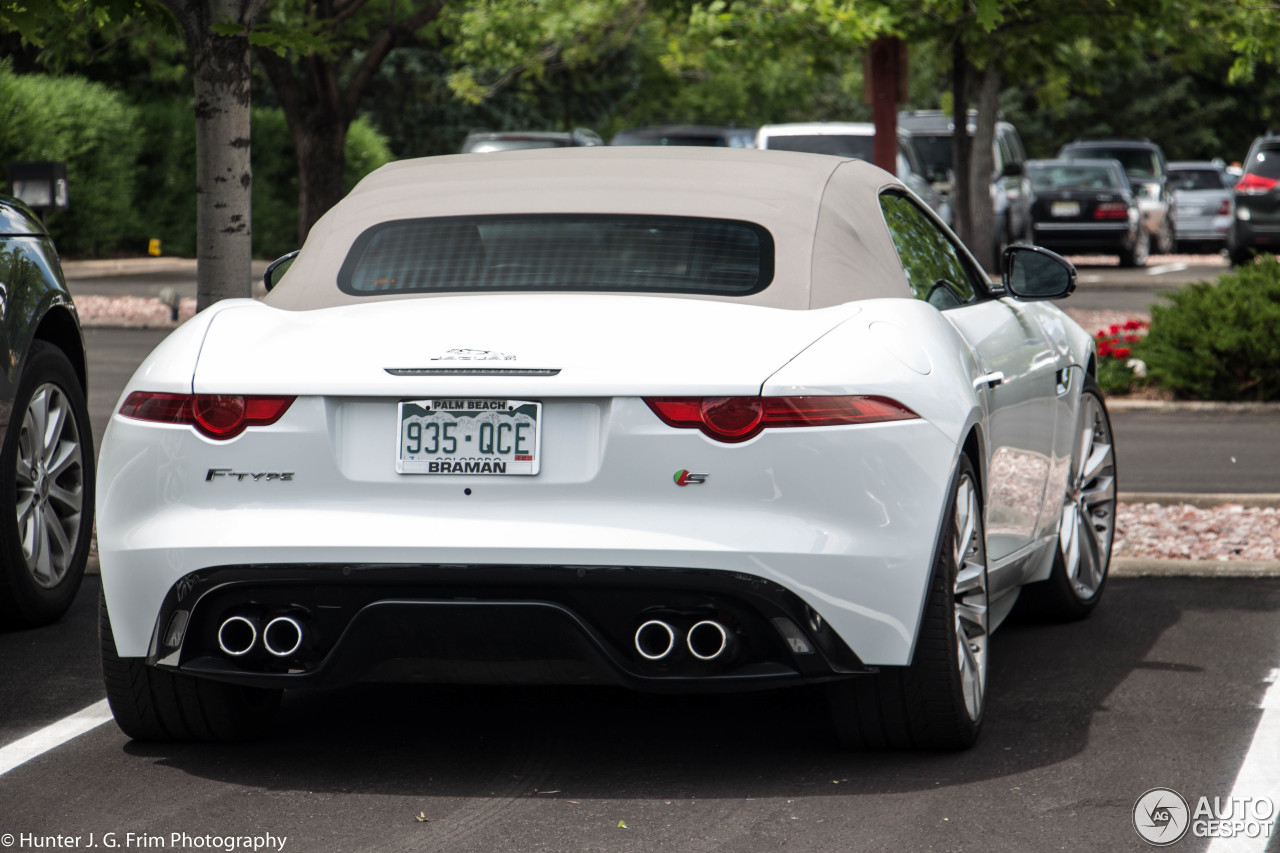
(1051, 689)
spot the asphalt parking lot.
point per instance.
(1161, 688)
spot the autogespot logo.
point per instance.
(1160, 817)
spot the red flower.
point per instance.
(1121, 352)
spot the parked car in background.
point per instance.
(1202, 192)
(484, 142)
(1087, 207)
(710, 421)
(1256, 226)
(699, 135)
(46, 453)
(929, 132)
(1148, 170)
(856, 140)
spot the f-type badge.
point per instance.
(473, 355)
(684, 478)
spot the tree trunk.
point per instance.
(961, 185)
(320, 140)
(220, 67)
(984, 241)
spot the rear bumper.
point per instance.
(1077, 237)
(494, 625)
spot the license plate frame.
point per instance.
(1063, 209)
(484, 437)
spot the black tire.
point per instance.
(1166, 238)
(923, 705)
(1068, 595)
(150, 704)
(1137, 255)
(44, 535)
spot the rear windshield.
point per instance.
(1266, 163)
(935, 151)
(536, 252)
(1046, 178)
(1137, 162)
(1198, 179)
(861, 147)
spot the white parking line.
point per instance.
(1166, 268)
(1260, 773)
(53, 735)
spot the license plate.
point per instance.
(466, 436)
(1065, 208)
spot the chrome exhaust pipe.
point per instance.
(237, 635)
(707, 640)
(282, 636)
(655, 639)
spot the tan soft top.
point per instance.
(831, 242)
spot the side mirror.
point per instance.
(277, 268)
(1031, 272)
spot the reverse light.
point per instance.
(218, 416)
(1255, 184)
(1111, 210)
(734, 419)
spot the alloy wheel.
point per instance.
(1088, 511)
(50, 485)
(970, 594)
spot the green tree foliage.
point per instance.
(1219, 341)
(92, 129)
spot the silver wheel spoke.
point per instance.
(49, 487)
(970, 597)
(1088, 512)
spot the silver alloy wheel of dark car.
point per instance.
(1088, 510)
(971, 597)
(49, 479)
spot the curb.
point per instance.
(1206, 500)
(1117, 404)
(75, 270)
(1141, 567)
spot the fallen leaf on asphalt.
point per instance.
(421, 817)
(622, 824)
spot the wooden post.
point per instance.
(886, 85)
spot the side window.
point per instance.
(933, 265)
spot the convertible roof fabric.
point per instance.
(832, 245)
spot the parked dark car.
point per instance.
(1087, 207)
(46, 453)
(1202, 192)
(929, 133)
(699, 135)
(1256, 227)
(484, 142)
(1148, 170)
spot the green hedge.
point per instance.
(1219, 341)
(94, 131)
(131, 168)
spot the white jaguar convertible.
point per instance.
(671, 419)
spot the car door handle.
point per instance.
(990, 380)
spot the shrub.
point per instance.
(1219, 342)
(94, 131)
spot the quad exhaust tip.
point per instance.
(237, 635)
(655, 639)
(282, 636)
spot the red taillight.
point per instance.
(732, 419)
(219, 416)
(1255, 184)
(1111, 210)
(1224, 209)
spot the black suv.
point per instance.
(1256, 227)
(1148, 170)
